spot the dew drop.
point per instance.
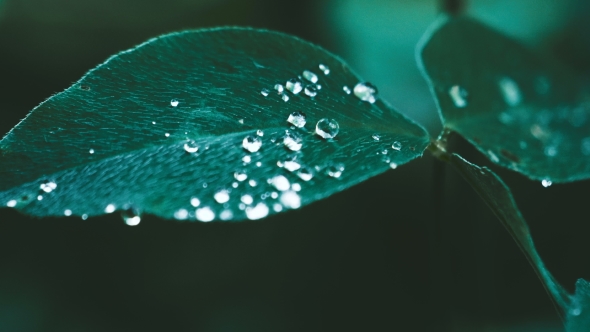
(324, 69)
(327, 128)
(523, 145)
(311, 91)
(294, 86)
(84, 216)
(376, 137)
(279, 88)
(291, 165)
(241, 121)
(252, 143)
(259, 133)
(174, 103)
(181, 214)
(258, 212)
(39, 198)
(167, 134)
(459, 96)
(281, 183)
(277, 207)
(240, 176)
(91, 151)
(205, 214)
(226, 215)
(264, 92)
(191, 146)
(67, 212)
(298, 119)
(235, 185)
(493, 156)
(546, 183)
(296, 187)
(274, 195)
(551, 151)
(285, 98)
(392, 165)
(365, 91)
(335, 170)
(346, 90)
(247, 199)
(292, 141)
(48, 186)
(258, 164)
(510, 91)
(290, 200)
(131, 217)
(397, 146)
(195, 202)
(221, 196)
(247, 159)
(310, 76)
(11, 203)
(153, 122)
(110, 208)
(252, 183)
(305, 174)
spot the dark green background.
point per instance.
(380, 256)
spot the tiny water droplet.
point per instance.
(195, 202)
(310, 76)
(335, 170)
(290, 200)
(131, 217)
(292, 141)
(67, 212)
(258, 164)
(493, 157)
(393, 165)
(510, 91)
(285, 98)
(327, 128)
(251, 143)
(305, 174)
(274, 195)
(235, 185)
(311, 91)
(258, 212)
(277, 207)
(296, 187)
(459, 96)
(205, 185)
(376, 137)
(260, 133)
(167, 134)
(240, 176)
(153, 122)
(366, 91)
(205, 214)
(11, 203)
(264, 92)
(91, 151)
(324, 69)
(346, 90)
(174, 103)
(294, 86)
(298, 119)
(226, 215)
(546, 183)
(241, 121)
(84, 216)
(39, 198)
(221, 196)
(181, 214)
(48, 186)
(247, 159)
(252, 183)
(281, 183)
(279, 88)
(110, 208)
(247, 199)
(191, 146)
(551, 151)
(396, 145)
(384, 151)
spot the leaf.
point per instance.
(499, 199)
(118, 138)
(523, 111)
(578, 314)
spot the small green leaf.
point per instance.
(523, 111)
(578, 314)
(190, 126)
(499, 199)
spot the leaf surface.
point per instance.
(124, 136)
(522, 110)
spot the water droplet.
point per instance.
(277, 207)
(551, 151)
(396, 145)
(181, 214)
(305, 174)
(296, 187)
(67, 212)
(110, 208)
(48, 186)
(221, 196)
(205, 214)
(292, 141)
(226, 215)
(258, 164)
(290, 200)
(258, 212)
(523, 145)
(335, 170)
(240, 176)
(586, 146)
(247, 199)
(131, 217)
(251, 143)
(191, 146)
(241, 121)
(246, 159)
(274, 195)
(310, 76)
(346, 90)
(153, 122)
(260, 133)
(252, 183)
(327, 128)
(264, 92)
(84, 216)
(298, 119)
(91, 151)
(195, 202)
(285, 98)
(167, 134)
(376, 137)
(324, 69)
(459, 96)
(365, 91)
(235, 185)
(39, 198)
(546, 183)
(291, 165)
(174, 103)
(279, 88)
(281, 183)
(205, 185)
(576, 312)
(11, 203)
(493, 156)
(294, 86)
(393, 165)
(384, 151)
(510, 91)
(311, 91)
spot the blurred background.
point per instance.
(411, 250)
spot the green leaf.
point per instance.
(578, 314)
(499, 199)
(523, 111)
(122, 112)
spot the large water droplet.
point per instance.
(290, 200)
(311, 91)
(240, 176)
(110, 208)
(335, 170)
(252, 143)
(11, 203)
(298, 119)
(195, 202)
(191, 146)
(510, 91)
(366, 91)
(264, 92)
(458, 95)
(67, 212)
(346, 90)
(292, 141)
(546, 183)
(131, 217)
(281, 183)
(247, 199)
(258, 212)
(324, 69)
(226, 215)
(305, 174)
(205, 214)
(310, 76)
(294, 86)
(48, 186)
(327, 128)
(221, 196)
(174, 103)
(396, 145)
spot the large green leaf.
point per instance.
(118, 138)
(522, 110)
